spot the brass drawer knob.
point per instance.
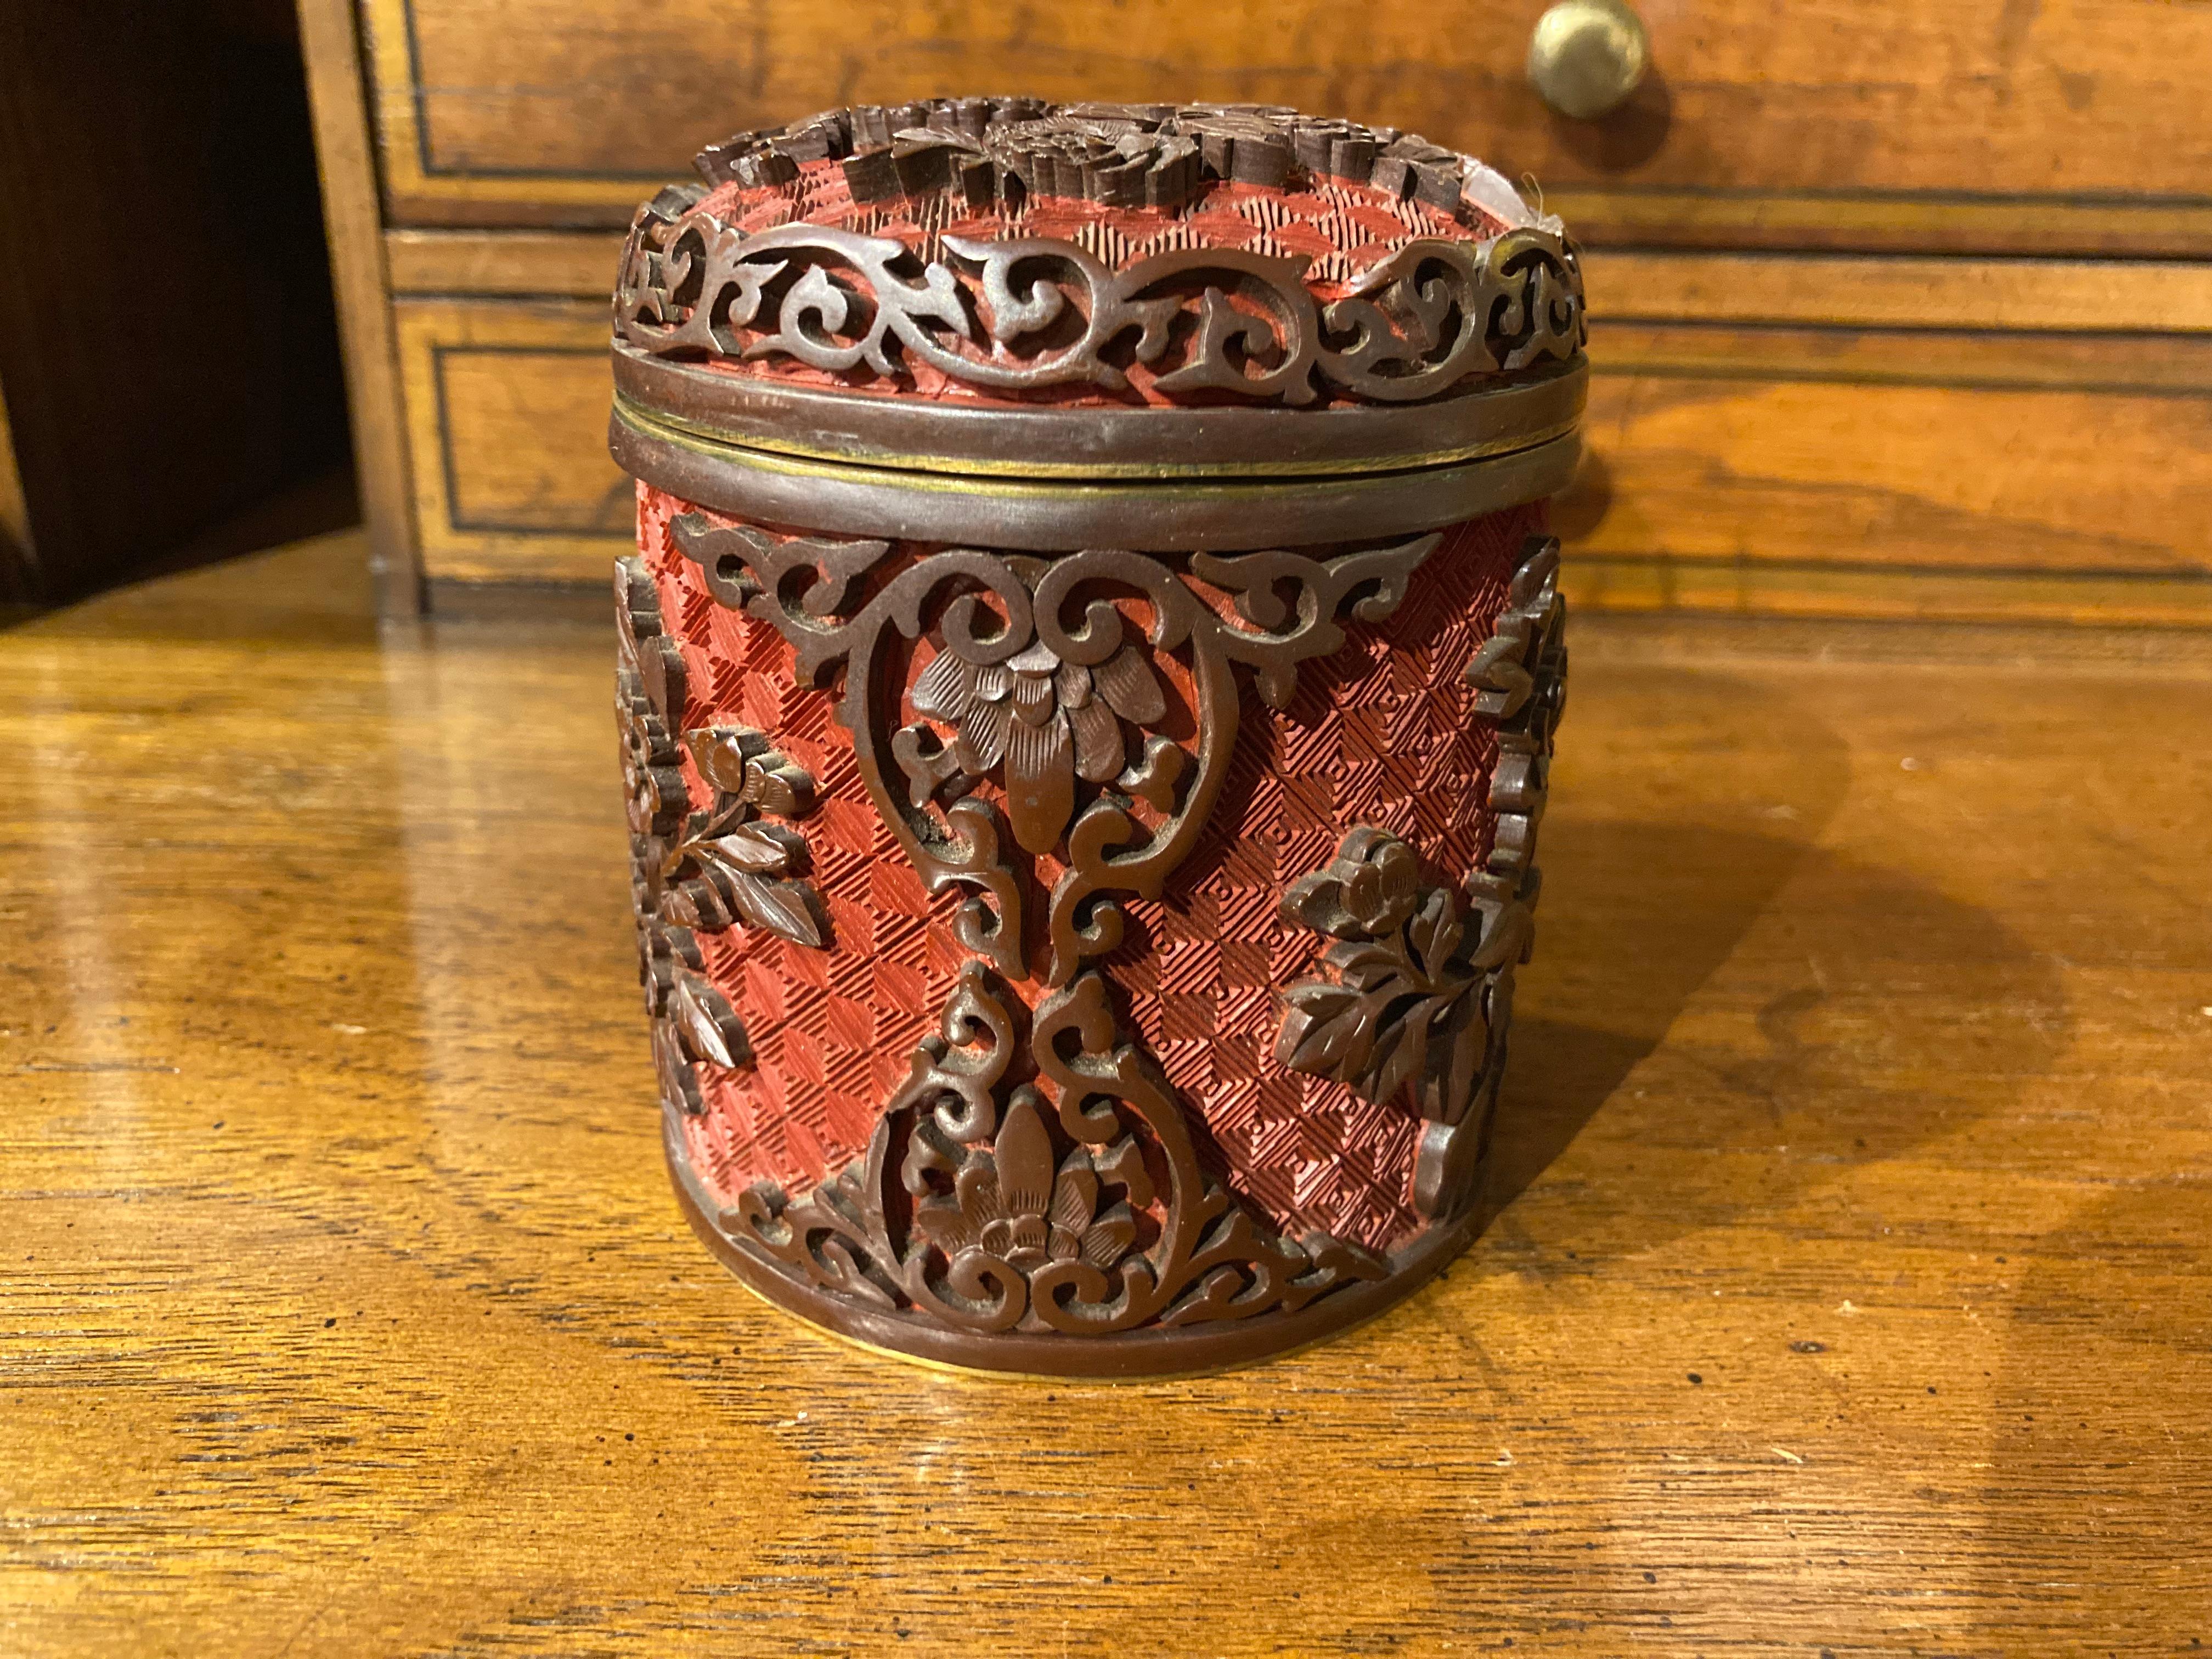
(1587, 55)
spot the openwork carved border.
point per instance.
(1030, 312)
(1038, 1173)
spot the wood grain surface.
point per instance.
(1846, 1289)
(555, 109)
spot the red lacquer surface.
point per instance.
(1382, 733)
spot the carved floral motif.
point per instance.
(1009, 1231)
(698, 871)
(1047, 1179)
(729, 865)
(1420, 985)
(848, 609)
(1417, 993)
(1050, 722)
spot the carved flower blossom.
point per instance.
(1048, 720)
(1010, 1202)
(1398, 1006)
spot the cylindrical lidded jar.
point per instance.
(1088, 674)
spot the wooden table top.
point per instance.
(1847, 1290)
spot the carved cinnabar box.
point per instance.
(1087, 677)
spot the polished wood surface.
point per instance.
(1846, 1287)
(557, 110)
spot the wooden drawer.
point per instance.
(1953, 475)
(1791, 450)
(506, 432)
(2077, 126)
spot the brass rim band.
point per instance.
(968, 436)
(1210, 514)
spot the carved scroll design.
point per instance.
(699, 872)
(1031, 313)
(1027, 1218)
(1048, 1180)
(1420, 989)
(1028, 673)
(1521, 676)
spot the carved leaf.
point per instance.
(943, 689)
(1040, 782)
(708, 1027)
(1435, 934)
(1023, 1153)
(1075, 1196)
(1109, 1237)
(759, 849)
(1368, 967)
(1099, 746)
(1130, 687)
(783, 908)
(1327, 1032)
(1401, 1052)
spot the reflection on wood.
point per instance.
(1937, 478)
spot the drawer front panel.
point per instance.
(1888, 123)
(507, 423)
(1948, 475)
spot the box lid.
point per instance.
(1094, 297)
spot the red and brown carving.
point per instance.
(1102, 527)
(1417, 998)
(1037, 685)
(1024, 1217)
(693, 871)
(851, 611)
(761, 269)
